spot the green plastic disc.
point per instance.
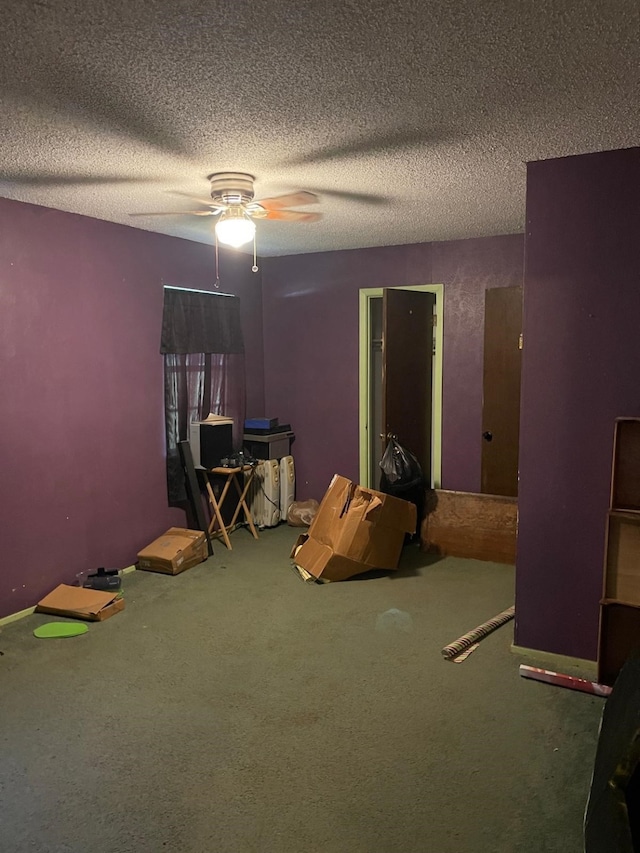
(60, 629)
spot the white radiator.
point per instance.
(287, 485)
(263, 497)
(271, 493)
(255, 495)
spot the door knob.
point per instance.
(488, 436)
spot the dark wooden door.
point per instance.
(407, 366)
(501, 390)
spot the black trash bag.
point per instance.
(402, 477)
(400, 468)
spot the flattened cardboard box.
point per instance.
(355, 530)
(173, 552)
(90, 604)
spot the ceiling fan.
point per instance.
(232, 201)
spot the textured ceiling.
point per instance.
(430, 110)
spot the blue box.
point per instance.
(261, 423)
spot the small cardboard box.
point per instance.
(354, 530)
(80, 603)
(173, 552)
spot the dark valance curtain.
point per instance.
(195, 321)
(204, 370)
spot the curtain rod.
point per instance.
(193, 290)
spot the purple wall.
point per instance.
(581, 368)
(83, 477)
(311, 346)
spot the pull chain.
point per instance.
(254, 268)
(217, 281)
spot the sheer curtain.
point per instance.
(200, 382)
(228, 391)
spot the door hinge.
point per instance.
(520, 341)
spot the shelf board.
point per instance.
(630, 515)
(605, 602)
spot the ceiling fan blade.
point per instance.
(98, 98)
(377, 142)
(178, 213)
(279, 202)
(50, 179)
(363, 198)
(292, 216)
(199, 199)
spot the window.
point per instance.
(203, 369)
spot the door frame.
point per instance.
(366, 294)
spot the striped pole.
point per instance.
(458, 646)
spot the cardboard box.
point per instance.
(355, 530)
(173, 552)
(90, 604)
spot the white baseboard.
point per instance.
(13, 617)
(558, 662)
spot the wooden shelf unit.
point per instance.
(625, 473)
(620, 605)
(622, 562)
(619, 636)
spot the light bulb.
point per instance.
(235, 229)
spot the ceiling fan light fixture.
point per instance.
(235, 229)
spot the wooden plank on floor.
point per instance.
(464, 524)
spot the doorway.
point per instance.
(372, 382)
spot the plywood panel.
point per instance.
(464, 524)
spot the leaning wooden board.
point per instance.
(464, 524)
